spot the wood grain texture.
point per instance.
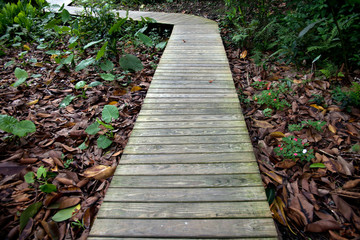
(212, 228)
(187, 181)
(211, 210)
(187, 130)
(181, 195)
(187, 158)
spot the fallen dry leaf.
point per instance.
(323, 226)
(99, 172)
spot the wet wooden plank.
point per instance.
(115, 238)
(251, 209)
(187, 181)
(180, 195)
(186, 169)
(212, 228)
(149, 106)
(187, 158)
(190, 100)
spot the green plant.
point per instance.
(109, 113)
(258, 84)
(347, 96)
(271, 98)
(42, 176)
(267, 112)
(317, 125)
(78, 223)
(18, 128)
(68, 162)
(356, 148)
(292, 148)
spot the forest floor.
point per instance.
(315, 199)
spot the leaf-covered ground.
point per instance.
(318, 199)
(81, 176)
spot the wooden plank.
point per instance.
(199, 124)
(187, 181)
(180, 195)
(190, 100)
(251, 209)
(191, 89)
(187, 158)
(189, 148)
(186, 131)
(187, 169)
(191, 111)
(189, 118)
(190, 139)
(214, 228)
(115, 238)
(191, 95)
(186, 105)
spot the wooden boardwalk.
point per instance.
(188, 171)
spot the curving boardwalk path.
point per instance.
(188, 171)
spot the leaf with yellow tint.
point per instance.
(26, 47)
(332, 128)
(277, 134)
(32, 102)
(39, 64)
(135, 88)
(113, 103)
(317, 107)
(243, 54)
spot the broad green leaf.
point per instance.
(83, 146)
(48, 188)
(29, 177)
(36, 75)
(103, 142)
(93, 128)
(73, 42)
(28, 213)
(92, 43)
(110, 112)
(53, 52)
(317, 165)
(23, 128)
(117, 25)
(65, 15)
(66, 101)
(69, 59)
(94, 84)
(84, 64)
(21, 75)
(8, 64)
(145, 39)
(80, 84)
(107, 66)
(161, 45)
(65, 214)
(270, 194)
(41, 172)
(107, 76)
(7, 123)
(101, 52)
(42, 46)
(308, 28)
(131, 62)
(317, 58)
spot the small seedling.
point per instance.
(42, 176)
(18, 128)
(109, 113)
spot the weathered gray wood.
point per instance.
(183, 169)
(251, 209)
(191, 89)
(189, 118)
(191, 95)
(214, 228)
(189, 148)
(115, 238)
(187, 181)
(190, 139)
(187, 105)
(181, 195)
(190, 100)
(189, 111)
(199, 124)
(186, 131)
(187, 158)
